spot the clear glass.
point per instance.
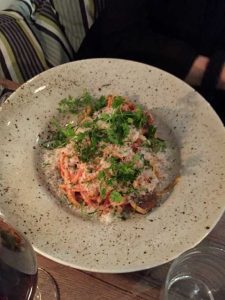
(20, 278)
(47, 288)
(198, 274)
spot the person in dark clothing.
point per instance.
(183, 37)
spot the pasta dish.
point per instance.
(108, 158)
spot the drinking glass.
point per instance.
(20, 278)
(198, 274)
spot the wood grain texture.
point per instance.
(8, 84)
(79, 285)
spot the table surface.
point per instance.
(76, 284)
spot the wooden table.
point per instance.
(79, 285)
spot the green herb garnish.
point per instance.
(87, 143)
(124, 171)
(102, 193)
(77, 105)
(117, 132)
(156, 144)
(117, 102)
(139, 118)
(116, 197)
(60, 137)
(90, 143)
(99, 103)
(151, 132)
(102, 175)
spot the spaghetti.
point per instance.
(109, 160)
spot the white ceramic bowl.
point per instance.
(184, 219)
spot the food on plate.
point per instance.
(108, 156)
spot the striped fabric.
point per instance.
(21, 54)
(38, 34)
(54, 43)
(76, 17)
(31, 40)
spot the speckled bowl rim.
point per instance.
(183, 104)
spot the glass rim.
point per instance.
(195, 250)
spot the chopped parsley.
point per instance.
(151, 132)
(123, 171)
(102, 175)
(60, 137)
(118, 173)
(90, 142)
(139, 118)
(156, 144)
(77, 105)
(87, 143)
(103, 193)
(117, 102)
(99, 104)
(120, 121)
(116, 197)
